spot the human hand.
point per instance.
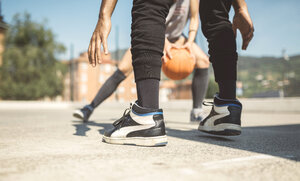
(167, 49)
(243, 22)
(188, 45)
(99, 38)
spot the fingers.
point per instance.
(234, 28)
(247, 38)
(168, 53)
(163, 59)
(92, 52)
(98, 57)
(89, 52)
(189, 49)
(173, 45)
(105, 48)
(246, 42)
(186, 45)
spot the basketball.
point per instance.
(180, 66)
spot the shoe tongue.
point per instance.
(142, 110)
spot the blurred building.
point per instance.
(170, 89)
(165, 90)
(83, 81)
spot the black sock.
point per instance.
(227, 89)
(148, 91)
(108, 87)
(199, 86)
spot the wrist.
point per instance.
(189, 41)
(103, 19)
(239, 6)
(193, 30)
(240, 10)
(104, 15)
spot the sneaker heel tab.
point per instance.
(142, 110)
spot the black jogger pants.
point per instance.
(217, 28)
(148, 37)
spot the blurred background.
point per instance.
(44, 43)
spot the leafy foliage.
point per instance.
(269, 74)
(261, 75)
(30, 69)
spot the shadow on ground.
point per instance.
(81, 127)
(282, 141)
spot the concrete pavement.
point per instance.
(47, 143)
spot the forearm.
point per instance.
(194, 21)
(239, 5)
(107, 8)
(193, 28)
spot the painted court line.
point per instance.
(221, 163)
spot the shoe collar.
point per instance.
(139, 110)
(219, 102)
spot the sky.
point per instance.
(276, 23)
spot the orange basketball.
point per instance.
(180, 66)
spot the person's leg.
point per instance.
(225, 116)
(125, 64)
(200, 77)
(222, 45)
(143, 123)
(108, 88)
(199, 83)
(110, 85)
(147, 39)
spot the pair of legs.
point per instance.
(199, 85)
(125, 68)
(225, 116)
(143, 123)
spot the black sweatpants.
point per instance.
(217, 28)
(148, 37)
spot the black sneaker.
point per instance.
(224, 118)
(84, 113)
(138, 126)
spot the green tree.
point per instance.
(30, 68)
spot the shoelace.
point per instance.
(123, 118)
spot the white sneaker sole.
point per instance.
(139, 141)
(78, 114)
(226, 129)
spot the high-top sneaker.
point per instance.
(84, 113)
(224, 118)
(196, 115)
(138, 126)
